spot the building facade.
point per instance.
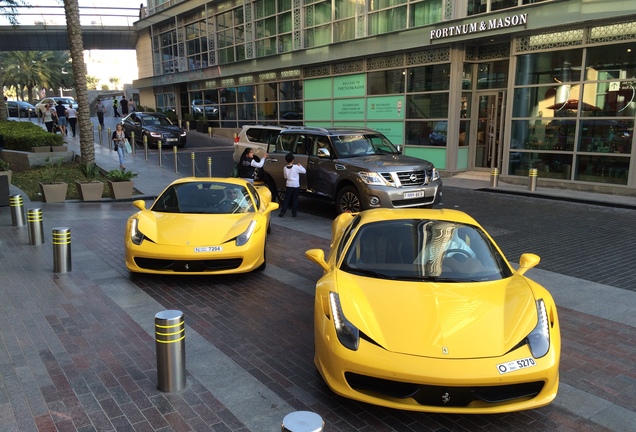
(466, 84)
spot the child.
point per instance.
(292, 174)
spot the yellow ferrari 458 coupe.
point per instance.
(419, 310)
(201, 226)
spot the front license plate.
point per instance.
(172, 139)
(516, 365)
(409, 195)
(208, 249)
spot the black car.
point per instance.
(156, 127)
(26, 110)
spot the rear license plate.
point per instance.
(409, 195)
(208, 249)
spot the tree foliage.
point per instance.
(36, 70)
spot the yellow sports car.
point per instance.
(201, 226)
(419, 310)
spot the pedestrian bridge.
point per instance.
(43, 28)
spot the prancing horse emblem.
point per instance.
(445, 350)
(446, 398)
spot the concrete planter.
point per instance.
(59, 148)
(54, 192)
(90, 191)
(7, 174)
(121, 190)
(42, 149)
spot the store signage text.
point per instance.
(480, 26)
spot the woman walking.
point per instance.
(119, 137)
(48, 115)
(71, 114)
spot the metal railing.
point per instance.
(89, 16)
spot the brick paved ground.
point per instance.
(74, 357)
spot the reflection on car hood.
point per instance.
(469, 320)
(163, 129)
(180, 229)
(387, 162)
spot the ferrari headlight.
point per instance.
(136, 236)
(539, 338)
(372, 178)
(348, 334)
(245, 237)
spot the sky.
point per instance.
(100, 63)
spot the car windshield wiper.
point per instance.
(370, 273)
(431, 279)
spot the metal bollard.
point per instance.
(188, 124)
(17, 210)
(494, 177)
(99, 132)
(146, 146)
(132, 142)
(210, 131)
(110, 141)
(194, 174)
(174, 152)
(62, 250)
(532, 184)
(170, 344)
(302, 421)
(159, 150)
(34, 219)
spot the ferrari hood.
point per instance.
(445, 320)
(172, 229)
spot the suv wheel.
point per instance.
(348, 200)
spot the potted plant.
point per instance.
(120, 183)
(4, 170)
(52, 186)
(90, 189)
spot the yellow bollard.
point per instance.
(146, 146)
(494, 177)
(159, 149)
(193, 165)
(209, 167)
(132, 143)
(174, 152)
(532, 184)
(210, 131)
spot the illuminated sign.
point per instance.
(479, 26)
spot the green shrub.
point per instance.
(120, 175)
(22, 136)
(4, 166)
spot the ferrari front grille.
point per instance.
(188, 266)
(443, 395)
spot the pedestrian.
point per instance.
(99, 107)
(119, 137)
(48, 116)
(124, 105)
(292, 173)
(115, 107)
(248, 163)
(71, 116)
(60, 110)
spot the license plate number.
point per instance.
(208, 249)
(408, 195)
(515, 365)
(173, 139)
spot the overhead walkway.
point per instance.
(43, 28)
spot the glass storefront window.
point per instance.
(602, 169)
(606, 136)
(428, 78)
(425, 13)
(610, 99)
(549, 67)
(548, 165)
(290, 90)
(426, 106)
(546, 101)
(543, 134)
(464, 111)
(492, 75)
(428, 133)
(385, 82)
(464, 132)
(467, 76)
(611, 62)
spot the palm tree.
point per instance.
(114, 81)
(9, 9)
(33, 69)
(76, 46)
(92, 82)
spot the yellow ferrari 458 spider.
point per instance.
(201, 226)
(419, 310)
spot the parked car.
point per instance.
(66, 100)
(201, 226)
(155, 127)
(206, 107)
(256, 137)
(357, 168)
(21, 109)
(419, 310)
(438, 136)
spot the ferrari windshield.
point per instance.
(204, 198)
(424, 250)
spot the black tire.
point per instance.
(271, 185)
(348, 200)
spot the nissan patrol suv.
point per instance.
(356, 168)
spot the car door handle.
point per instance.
(272, 160)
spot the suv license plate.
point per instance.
(419, 194)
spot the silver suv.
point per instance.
(357, 168)
(256, 137)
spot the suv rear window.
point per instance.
(260, 135)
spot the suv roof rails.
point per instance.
(309, 128)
